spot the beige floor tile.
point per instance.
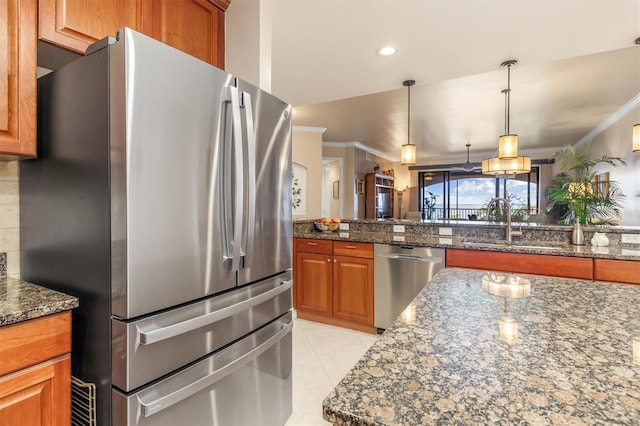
(307, 407)
(322, 355)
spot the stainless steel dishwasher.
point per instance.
(400, 273)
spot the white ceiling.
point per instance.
(324, 62)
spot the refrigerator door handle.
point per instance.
(166, 401)
(156, 334)
(251, 179)
(232, 248)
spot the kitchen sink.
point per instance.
(505, 245)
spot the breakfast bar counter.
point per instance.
(476, 347)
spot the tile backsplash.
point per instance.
(9, 219)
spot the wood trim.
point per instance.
(221, 4)
(557, 266)
(336, 322)
(18, 127)
(31, 342)
(622, 271)
(221, 39)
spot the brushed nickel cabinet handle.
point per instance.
(312, 244)
(351, 247)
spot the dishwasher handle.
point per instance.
(396, 256)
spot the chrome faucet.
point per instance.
(494, 204)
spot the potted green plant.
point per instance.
(574, 188)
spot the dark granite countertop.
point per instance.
(443, 362)
(22, 301)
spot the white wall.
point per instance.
(616, 142)
(307, 151)
(248, 40)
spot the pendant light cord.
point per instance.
(508, 96)
(408, 114)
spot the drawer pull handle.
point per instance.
(328, 260)
(351, 247)
(312, 244)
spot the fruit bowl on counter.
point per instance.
(327, 224)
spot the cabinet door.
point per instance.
(353, 289)
(192, 26)
(40, 395)
(18, 77)
(75, 24)
(313, 283)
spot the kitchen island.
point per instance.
(446, 361)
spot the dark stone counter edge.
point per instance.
(587, 251)
(37, 301)
(37, 312)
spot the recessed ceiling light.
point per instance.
(387, 51)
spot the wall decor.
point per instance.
(360, 186)
(299, 189)
(336, 189)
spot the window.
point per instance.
(463, 195)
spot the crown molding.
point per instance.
(609, 121)
(308, 129)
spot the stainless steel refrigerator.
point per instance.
(161, 197)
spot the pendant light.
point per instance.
(408, 152)
(508, 143)
(507, 163)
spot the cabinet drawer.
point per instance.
(622, 271)
(347, 248)
(34, 341)
(309, 245)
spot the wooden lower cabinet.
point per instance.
(334, 282)
(622, 271)
(35, 371)
(38, 395)
(353, 289)
(557, 266)
(313, 281)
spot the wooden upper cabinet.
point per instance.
(75, 24)
(192, 26)
(18, 37)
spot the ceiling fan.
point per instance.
(468, 166)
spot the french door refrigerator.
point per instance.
(161, 198)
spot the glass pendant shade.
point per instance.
(504, 167)
(508, 147)
(508, 330)
(408, 154)
(636, 138)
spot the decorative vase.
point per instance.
(577, 236)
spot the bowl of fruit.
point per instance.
(326, 224)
